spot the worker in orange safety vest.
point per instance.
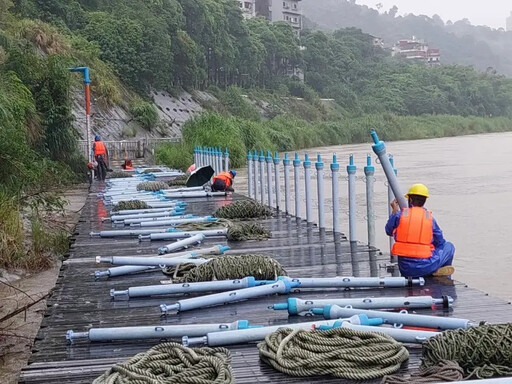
(223, 182)
(101, 157)
(419, 243)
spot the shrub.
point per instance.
(145, 114)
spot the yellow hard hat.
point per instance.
(418, 189)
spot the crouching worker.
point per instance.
(419, 243)
(223, 182)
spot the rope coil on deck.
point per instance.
(172, 363)
(236, 231)
(152, 186)
(245, 209)
(118, 175)
(230, 267)
(443, 371)
(130, 204)
(339, 352)
(152, 170)
(483, 352)
(178, 181)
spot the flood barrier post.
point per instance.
(261, 160)
(335, 167)
(270, 192)
(196, 162)
(255, 174)
(307, 182)
(320, 191)
(220, 160)
(277, 174)
(226, 160)
(286, 165)
(352, 207)
(369, 172)
(391, 197)
(296, 175)
(249, 174)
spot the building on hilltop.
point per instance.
(509, 22)
(281, 10)
(248, 8)
(417, 50)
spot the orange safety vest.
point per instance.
(225, 177)
(414, 234)
(99, 148)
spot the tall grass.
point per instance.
(287, 133)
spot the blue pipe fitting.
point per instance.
(319, 163)
(290, 305)
(351, 168)
(379, 146)
(262, 157)
(286, 160)
(307, 162)
(85, 73)
(335, 165)
(226, 152)
(223, 248)
(210, 219)
(369, 170)
(249, 155)
(244, 324)
(296, 160)
(268, 159)
(276, 158)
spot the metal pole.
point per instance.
(220, 163)
(249, 174)
(261, 160)
(391, 197)
(296, 175)
(307, 182)
(369, 171)
(226, 160)
(380, 150)
(255, 174)
(286, 165)
(195, 157)
(270, 192)
(335, 167)
(277, 173)
(320, 189)
(352, 207)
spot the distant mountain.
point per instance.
(460, 42)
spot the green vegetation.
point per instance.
(145, 114)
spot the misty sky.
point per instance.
(480, 12)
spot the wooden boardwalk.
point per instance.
(80, 302)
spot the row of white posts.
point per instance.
(264, 185)
(218, 160)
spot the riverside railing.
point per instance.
(212, 156)
(268, 185)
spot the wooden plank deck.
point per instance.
(80, 302)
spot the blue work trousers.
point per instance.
(441, 257)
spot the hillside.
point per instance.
(460, 42)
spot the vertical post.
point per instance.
(307, 182)
(219, 160)
(320, 191)
(195, 157)
(255, 174)
(262, 178)
(335, 167)
(391, 197)
(277, 174)
(208, 162)
(296, 175)
(226, 160)
(369, 171)
(249, 174)
(286, 165)
(87, 89)
(351, 170)
(270, 191)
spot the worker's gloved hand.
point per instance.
(394, 206)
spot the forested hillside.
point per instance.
(460, 42)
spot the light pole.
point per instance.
(87, 86)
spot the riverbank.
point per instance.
(19, 289)
(287, 133)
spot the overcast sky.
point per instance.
(480, 12)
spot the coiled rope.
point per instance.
(443, 371)
(483, 352)
(152, 186)
(339, 352)
(178, 181)
(172, 363)
(118, 175)
(261, 267)
(245, 209)
(131, 204)
(236, 231)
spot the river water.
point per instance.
(470, 184)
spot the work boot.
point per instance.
(447, 270)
